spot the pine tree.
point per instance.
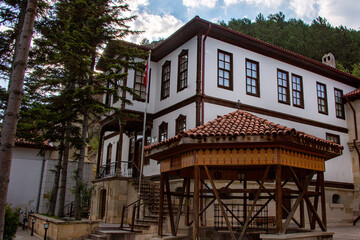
(71, 36)
(12, 110)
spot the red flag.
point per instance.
(146, 71)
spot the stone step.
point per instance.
(147, 221)
(138, 226)
(97, 236)
(129, 229)
(107, 228)
(152, 217)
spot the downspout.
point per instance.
(356, 130)
(203, 76)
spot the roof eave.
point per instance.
(186, 144)
(201, 26)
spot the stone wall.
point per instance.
(63, 230)
(116, 190)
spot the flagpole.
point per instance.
(147, 72)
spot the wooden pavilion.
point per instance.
(243, 147)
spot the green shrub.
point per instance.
(11, 222)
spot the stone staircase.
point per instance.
(147, 222)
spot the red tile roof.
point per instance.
(353, 95)
(22, 141)
(241, 123)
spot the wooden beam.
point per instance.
(187, 204)
(259, 211)
(254, 203)
(297, 202)
(161, 203)
(278, 199)
(171, 213)
(316, 202)
(272, 196)
(207, 206)
(232, 214)
(307, 200)
(201, 204)
(196, 202)
(180, 206)
(245, 200)
(302, 214)
(220, 203)
(323, 206)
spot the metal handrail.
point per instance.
(112, 168)
(108, 169)
(134, 209)
(71, 204)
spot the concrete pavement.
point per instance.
(342, 232)
(345, 232)
(25, 235)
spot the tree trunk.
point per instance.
(54, 192)
(11, 115)
(80, 169)
(62, 194)
(85, 128)
(18, 30)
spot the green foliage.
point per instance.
(312, 41)
(11, 222)
(356, 70)
(86, 190)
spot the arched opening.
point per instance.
(102, 203)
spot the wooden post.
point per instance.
(196, 202)
(245, 200)
(323, 206)
(168, 197)
(220, 203)
(161, 207)
(302, 214)
(278, 199)
(180, 205)
(297, 202)
(316, 201)
(307, 200)
(187, 203)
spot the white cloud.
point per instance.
(134, 4)
(199, 3)
(337, 12)
(154, 26)
(266, 3)
(304, 8)
(341, 12)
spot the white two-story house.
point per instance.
(203, 71)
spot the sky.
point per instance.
(160, 18)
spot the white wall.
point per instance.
(268, 84)
(155, 104)
(189, 111)
(25, 178)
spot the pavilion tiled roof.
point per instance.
(241, 123)
(353, 95)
